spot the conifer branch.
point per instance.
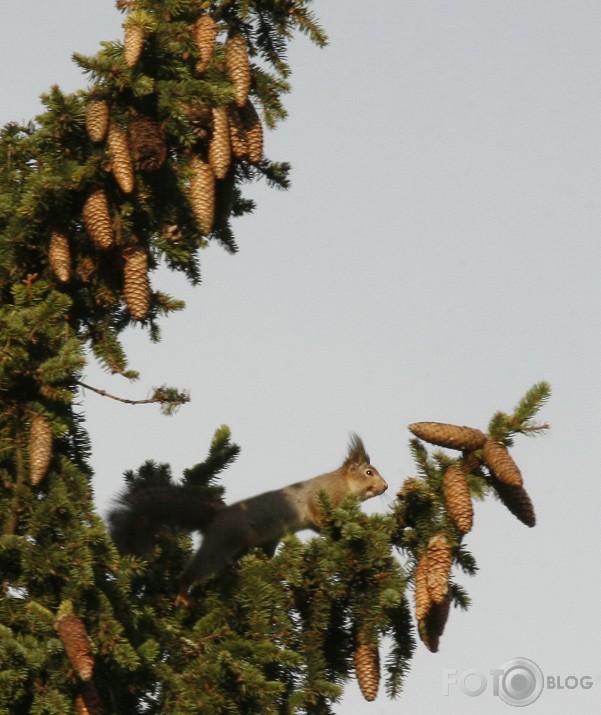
(169, 398)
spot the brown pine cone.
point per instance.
(431, 628)
(423, 601)
(136, 287)
(133, 42)
(121, 164)
(202, 194)
(238, 140)
(74, 637)
(59, 256)
(254, 132)
(40, 448)
(458, 499)
(97, 119)
(440, 559)
(97, 220)
(205, 32)
(238, 67)
(88, 701)
(219, 144)
(517, 500)
(445, 435)
(501, 464)
(367, 668)
(147, 143)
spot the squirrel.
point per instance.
(230, 531)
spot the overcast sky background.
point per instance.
(438, 253)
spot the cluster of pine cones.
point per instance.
(432, 593)
(224, 133)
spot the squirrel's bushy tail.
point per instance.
(139, 513)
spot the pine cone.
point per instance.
(202, 194)
(76, 642)
(201, 117)
(237, 134)
(423, 601)
(97, 220)
(440, 559)
(499, 461)
(431, 628)
(121, 164)
(367, 668)
(88, 701)
(136, 287)
(59, 256)
(205, 32)
(147, 143)
(517, 500)
(445, 435)
(238, 67)
(219, 144)
(133, 42)
(458, 499)
(97, 119)
(40, 448)
(254, 132)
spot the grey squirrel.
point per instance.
(230, 531)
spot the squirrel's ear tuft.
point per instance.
(356, 452)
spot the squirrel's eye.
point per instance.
(369, 473)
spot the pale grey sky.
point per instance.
(438, 253)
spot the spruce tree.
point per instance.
(146, 166)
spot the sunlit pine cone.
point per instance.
(74, 637)
(136, 286)
(40, 448)
(59, 256)
(205, 32)
(202, 194)
(121, 164)
(422, 595)
(219, 145)
(446, 435)
(97, 220)
(238, 140)
(87, 701)
(97, 119)
(238, 67)
(517, 500)
(440, 559)
(254, 132)
(367, 668)
(133, 42)
(501, 464)
(458, 499)
(146, 143)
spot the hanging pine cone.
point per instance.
(121, 164)
(423, 601)
(136, 287)
(445, 435)
(76, 642)
(97, 119)
(202, 194)
(219, 144)
(201, 118)
(254, 132)
(367, 668)
(517, 500)
(501, 464)
(440, 559)
(88, 700)
(59, 256)
(431, 628)
(133, 42)
(238, 67)
(458, 499)
(238, 140)
(205, 32)
(40, 448)
(147, 143)
(97, 220)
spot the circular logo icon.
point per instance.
(521, 683)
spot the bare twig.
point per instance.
(160, 395)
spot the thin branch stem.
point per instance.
(159, 396)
